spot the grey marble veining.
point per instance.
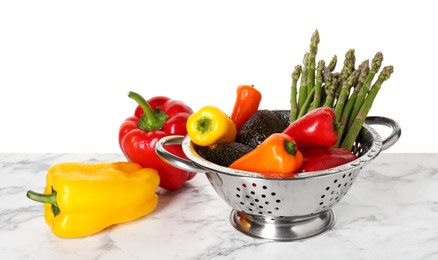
(391, 212)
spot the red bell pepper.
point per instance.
(316, 128)
(154, 119)
(323, 158)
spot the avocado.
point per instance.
(224, 153)
(260, 126)
(284, 116)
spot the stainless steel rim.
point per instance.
(203, 165)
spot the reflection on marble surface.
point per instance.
(391, 212)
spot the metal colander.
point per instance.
(283, 209)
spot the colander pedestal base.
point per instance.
(285, 228)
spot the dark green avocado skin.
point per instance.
(224, 154)
(260, 126)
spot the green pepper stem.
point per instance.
(45, 198)
(290, 147)
(150, 120)
(204, 125)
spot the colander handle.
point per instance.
(172, 159)
(385, 121)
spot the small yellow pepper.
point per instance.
(82, 199)
(210, 125)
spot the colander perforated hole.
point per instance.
(256, 198)
(333, 193)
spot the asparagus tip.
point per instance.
(315, 37)
(386, 72)
(297, 71)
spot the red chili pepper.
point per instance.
(323, 158)
(247, 103)
(154, 119)
(316, 128)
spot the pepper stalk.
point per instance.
(45, 198)
(150, 120)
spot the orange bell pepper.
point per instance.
(276, 157)
(247, 103)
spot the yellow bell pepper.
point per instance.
(210, 125)
(82, 199)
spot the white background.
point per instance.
(66, 66)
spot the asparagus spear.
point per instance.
(332, 64)
(349, 62)
(330, 68)
(364, 69)
(328, 87)
(354, 131)
(376, 63)
(345, 91)
(306, 103)
(303, 83)
(318, 84)
(293, 98)
(332, 90)
(313, 50)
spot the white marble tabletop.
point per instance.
(391, 212)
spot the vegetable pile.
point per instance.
(350, 92)
(327, 112)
